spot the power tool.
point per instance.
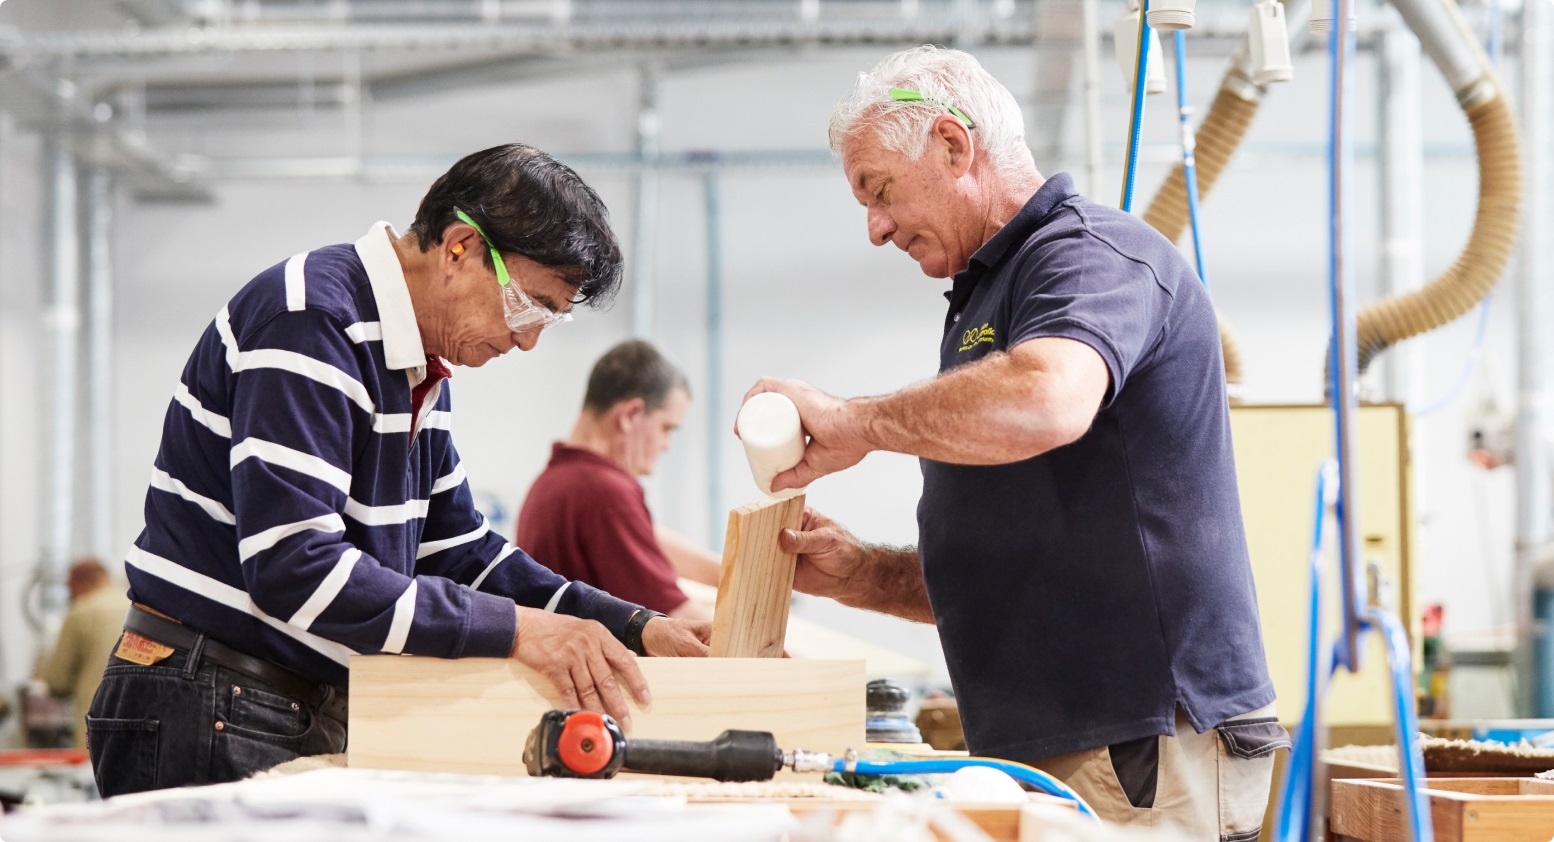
(588, 744)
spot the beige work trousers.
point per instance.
(1212, 786)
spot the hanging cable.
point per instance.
(1136, 121)
(1189, 146)
(1469, 364)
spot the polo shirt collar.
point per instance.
(402, 348)
(1053, 192)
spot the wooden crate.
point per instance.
(1463, 809)
(472, 715)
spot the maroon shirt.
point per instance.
(588, 520)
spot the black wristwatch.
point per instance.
(633, 636)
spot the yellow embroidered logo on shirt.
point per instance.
(976, 336)
(141, 650)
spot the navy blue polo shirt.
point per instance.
(1083, 594)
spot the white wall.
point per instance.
(805, 295)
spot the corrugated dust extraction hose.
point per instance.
(1456, 291)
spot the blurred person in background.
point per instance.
(90, 631)
(586, 516)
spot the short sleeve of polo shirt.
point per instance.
(1082, 288)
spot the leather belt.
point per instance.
(330, 700)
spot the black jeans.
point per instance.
(184, 721)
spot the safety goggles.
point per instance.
(522, 313)
(909, 95)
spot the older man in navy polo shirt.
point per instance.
(1081, 548)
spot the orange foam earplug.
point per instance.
(457, 248)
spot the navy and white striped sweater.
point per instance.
(292, 514)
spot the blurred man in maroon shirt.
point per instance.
(586, 517)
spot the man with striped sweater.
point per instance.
(307, 501)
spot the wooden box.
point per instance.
(472, 715)
(1463, 810)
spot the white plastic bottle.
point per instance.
(769, 427)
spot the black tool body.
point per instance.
(733, 756)
(586, 744)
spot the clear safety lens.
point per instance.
(524, 314)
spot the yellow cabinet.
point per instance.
(1278, 452)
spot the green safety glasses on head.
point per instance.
(908, 95)
(522, 313)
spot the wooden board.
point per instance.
(472, 715)
(1462, 809)
(751, 618)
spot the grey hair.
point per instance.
(940, 74)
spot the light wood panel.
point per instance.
(472, 715)
(756, 584)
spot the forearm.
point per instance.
(890, 581)
(992, 412)
(690, 561)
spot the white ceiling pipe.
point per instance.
(1450, 44)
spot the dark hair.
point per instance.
(632, 369)
(86, 574)
(529, 203)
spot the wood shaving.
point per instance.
(1442, 755)
(1479, 756)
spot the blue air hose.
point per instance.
(946, 765)
(1136, 122)
(1293, 820)
(1189, 160)
(1411, 757)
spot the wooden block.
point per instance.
(472, 715)
(1462, 809)
(751, 618)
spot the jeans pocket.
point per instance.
(1245, 768)
(265, 714)
(124, 754)
(258, 729)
